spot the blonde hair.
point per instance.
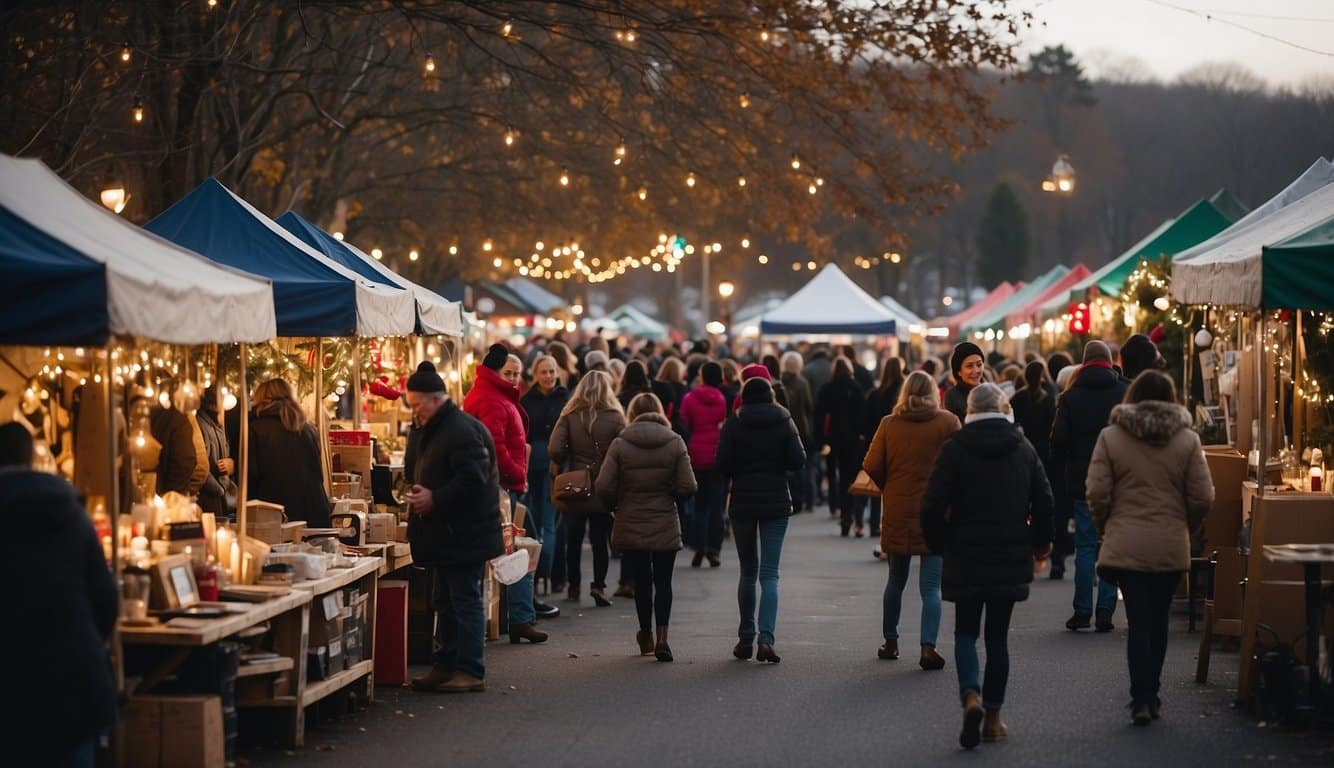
(672, 371)
(594, 395)
(542, 359)
(277, 395)
(616, 367)
(731, 370)
(918, 393)
(644, 402)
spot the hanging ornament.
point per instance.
(1203, 338)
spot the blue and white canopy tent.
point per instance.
(314, 296)
(436, 315)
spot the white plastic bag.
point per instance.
(509, 569)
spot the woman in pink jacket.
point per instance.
(703, 412)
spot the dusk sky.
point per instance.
(1168, 41)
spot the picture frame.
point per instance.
(174, 584)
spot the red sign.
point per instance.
(341, 437)
(1080, 318)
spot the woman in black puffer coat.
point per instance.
(756, 450)
(990, 481)
(839, 424)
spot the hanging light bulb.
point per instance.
(565, 177)
(509, 136)
(377, 254)
(690, 180)
(496, 262)
(812, 189)
(741, 181)
(138, 109)
(413, 255)
(338, 236)
(453, 250)
(745, 242)
(487, 245)
(743, 100)
(125, 53)
(796, 162)
(430, 63)
(643, 193)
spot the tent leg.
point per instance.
(321, 428)
(243, 491)
(356, 383)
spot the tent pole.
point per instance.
(356, 382)
(1298, 400)
(242, 495)
(320, 426)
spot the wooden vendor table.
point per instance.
(289, 618)
(396, 555)
(1311, 557)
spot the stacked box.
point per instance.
(170, 731)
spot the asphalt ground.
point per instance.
(585, 697)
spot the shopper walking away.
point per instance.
(987, 509)
(756, 451)
(966, 365)
(838, 424)
(645, 472)
(703, 412)
(454, 528)
(64, 581)
(543, 403)
(1081, 413)
(494, 401)
(880, 403)
(588, 424)
(1148, 488)
(801, 404)
(1034, 409)
(899, 460)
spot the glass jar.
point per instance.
(136, 587)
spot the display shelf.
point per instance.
(211, 631)
(341, 577)
(322, 688)
(280, 664)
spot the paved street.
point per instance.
(586, 699)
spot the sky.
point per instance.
(1168, 41)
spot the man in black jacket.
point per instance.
(1081, 413)
(455, 528)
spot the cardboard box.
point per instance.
(321, 632)
(269, 533)
(383, 527)
(350, 451)
(174, 731)
(391, 629)
(257, 511)
(401, 532)
(325, 661)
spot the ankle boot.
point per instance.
(744, 649)
(931, 659)
(992, 727)
(662, 650)
(526, 631)
(645, 639)
(765, 652)
(971, 735)
(599, 598)
(889, 651)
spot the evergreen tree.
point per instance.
(1003, 240)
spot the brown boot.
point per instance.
(572, 593)
(992, 727)
(931, 659)
(431, 680)
(645, 640)
(889, 651)
(462, 682)
(971, 734)
(526, 631)
(661, 649)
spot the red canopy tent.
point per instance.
(1028, 313)
(955, 322)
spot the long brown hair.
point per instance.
(276, 395)
(891, 376)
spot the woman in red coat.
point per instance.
(703, 412)
(494, 401)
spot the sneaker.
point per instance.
(1104, 621)
(1078, 621)
(1139, 713)
(545, 611)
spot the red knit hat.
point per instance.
(755, 371)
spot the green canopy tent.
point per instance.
(1299, 271)
(994, 319)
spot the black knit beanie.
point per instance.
(962, 351)
(426, 380)
(757, 390)
(496, 357)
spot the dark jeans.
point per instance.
(707, 517)
(460, 621)
(599, 534)
(759, 548)
(1148, 599)
(849, 463)
(831, 481)
(967, 627)
(558, 551)
(653, 585)
(810, 479)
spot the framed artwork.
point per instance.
(174, 582)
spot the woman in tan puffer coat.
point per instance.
(1148, 487)
(646, 471)
(899, 460)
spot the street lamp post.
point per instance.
(1061, 182)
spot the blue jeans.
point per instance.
(541, 512)
(519, 595)
(460, 625)
(1086, 562)
(707, 517)
(967, 627)
(928, 582)
(759, 546)
(810, 479)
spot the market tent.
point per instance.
(994, 318)
(634, 322)
(76, 274)
(1195, 225)
(534, 295)
(830, 303)
(313, 295)
(1236, 268)
(953, 323)
(905, 320)
(435, 314)
(1028, 311)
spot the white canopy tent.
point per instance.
(438, 315)
(633, 321)
(830, 304)
(904, 319)
(154, 288)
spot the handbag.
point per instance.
(864, 485)
(575, 485)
